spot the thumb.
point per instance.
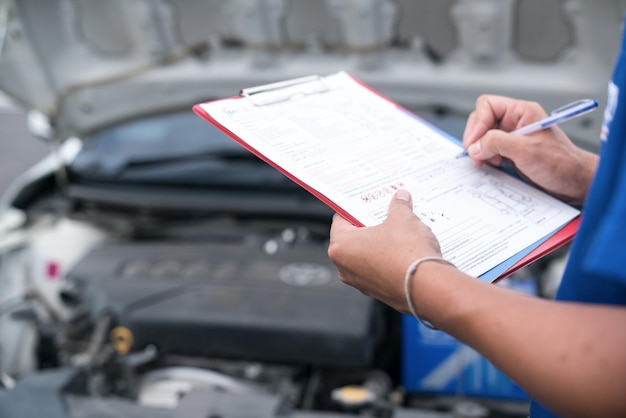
(401, 203)
(494, 143)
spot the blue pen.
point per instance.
(562, 114)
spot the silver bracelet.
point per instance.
(407, 285)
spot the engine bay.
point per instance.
(181, 323)
(193, 321)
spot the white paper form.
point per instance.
(356, 149)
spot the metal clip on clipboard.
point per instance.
(285, 90)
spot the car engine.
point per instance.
(170, 326)
(227, 300)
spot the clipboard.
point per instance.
(316, 91)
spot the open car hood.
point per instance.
(87, 64)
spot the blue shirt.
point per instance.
(596, 270)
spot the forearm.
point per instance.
(568, 356)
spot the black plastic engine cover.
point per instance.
(231, 301)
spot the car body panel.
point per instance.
(86, 65)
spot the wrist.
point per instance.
(409, 287)
(589, 167)
(438, 292)
(575, 177)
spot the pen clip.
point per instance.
(567, 112)
(576, 107)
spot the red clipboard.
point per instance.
(557, 240)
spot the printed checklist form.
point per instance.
(353, 149)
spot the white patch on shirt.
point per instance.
(609, 112)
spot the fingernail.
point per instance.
(474, 148)
(403, 195)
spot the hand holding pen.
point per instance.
(501, 127)
(562, 114)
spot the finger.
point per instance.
(340, 224)
(499, 112)
(509, 114)
(494, 145)
(469, 127)
(486, 116)
(477, 126)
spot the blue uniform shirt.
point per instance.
(596, 270)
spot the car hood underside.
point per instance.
(87, 64)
